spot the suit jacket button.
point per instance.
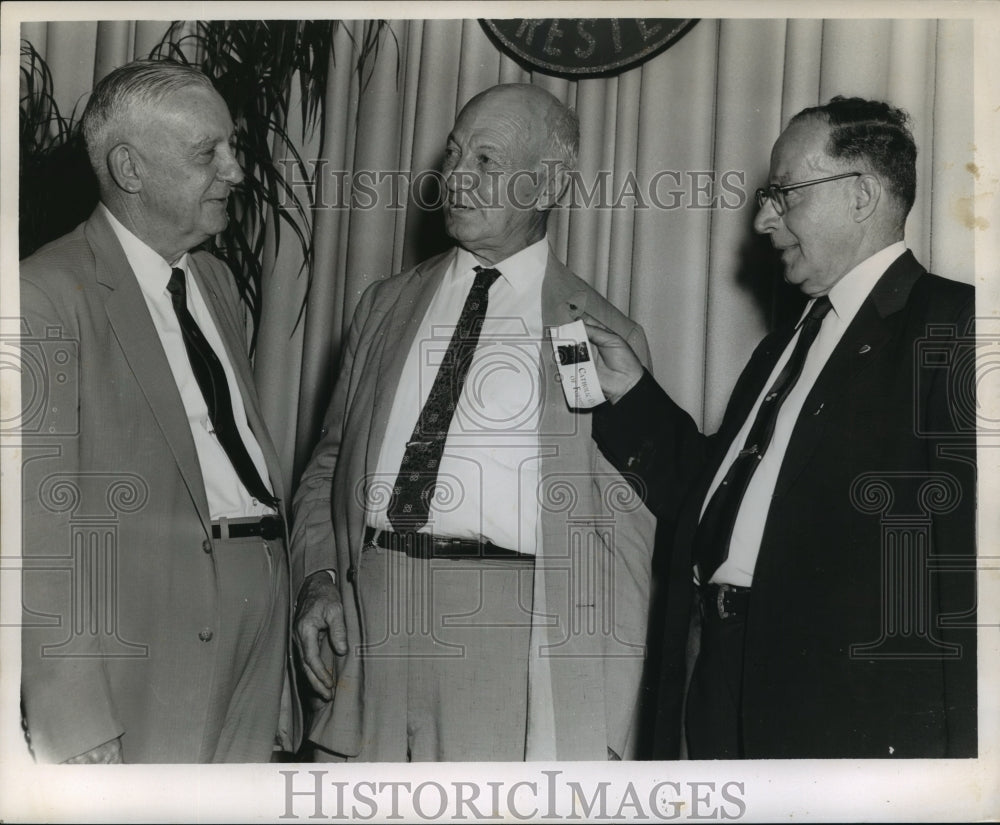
(352, 573)
(206, 545)
(205, 635)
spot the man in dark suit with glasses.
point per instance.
(826, 533)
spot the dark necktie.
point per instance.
(711, 546)
(211, 378)
(414, 488)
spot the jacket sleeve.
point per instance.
(950, 419)
(65, 692)
(634, 527)
(313, 544)
(653, 443)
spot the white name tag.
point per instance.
(576, 366)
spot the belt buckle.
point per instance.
(450, 547)
(438, 548)
(720, 601)
(270, 528)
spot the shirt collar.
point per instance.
(849, 293)
(148, 265)
(520, 270)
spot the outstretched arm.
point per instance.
(642, 432)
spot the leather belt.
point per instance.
(426, 546)
(725, 601)
(266, 527)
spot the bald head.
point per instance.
(505, 167)
(550, 127)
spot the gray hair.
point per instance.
(564, 134)
(111, 109)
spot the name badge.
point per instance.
(576, 366)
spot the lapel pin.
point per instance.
(864, 348)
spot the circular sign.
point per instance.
(585, 47)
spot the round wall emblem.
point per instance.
(585, 47)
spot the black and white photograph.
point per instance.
(306, 511)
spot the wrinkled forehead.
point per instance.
(800, 151)
(509, 115)
(199, 110)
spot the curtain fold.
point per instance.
(622, 230)
(698, 121)
(284, 289)
(324, 328)
(676, 127)
(950, 188)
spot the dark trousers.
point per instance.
(712, 718)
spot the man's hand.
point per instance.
(618, 367)
(110, 753)
(319, 627)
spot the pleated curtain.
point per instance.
(702, 114)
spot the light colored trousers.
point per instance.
(446, 658)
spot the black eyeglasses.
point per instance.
(776, 194)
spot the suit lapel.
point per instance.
(751, 384)
(560, 289)
(745, 393)
(133, 327)
(401, 323)
(398, 331)
(233, 340)
(860, 347)
(224, 323)
(553, 729)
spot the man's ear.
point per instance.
(867, 194)
(125, 168)
(555, 183)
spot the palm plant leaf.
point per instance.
(253, 64)
(57, 187)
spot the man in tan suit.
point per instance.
(472, 585)
(155, 584)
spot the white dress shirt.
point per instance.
(488, 476)
(227, 497)
(846, 298)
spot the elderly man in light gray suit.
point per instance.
(156, 601)
(472, 578)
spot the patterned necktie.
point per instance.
(711, 545)
(414, 488)
(211, 378)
